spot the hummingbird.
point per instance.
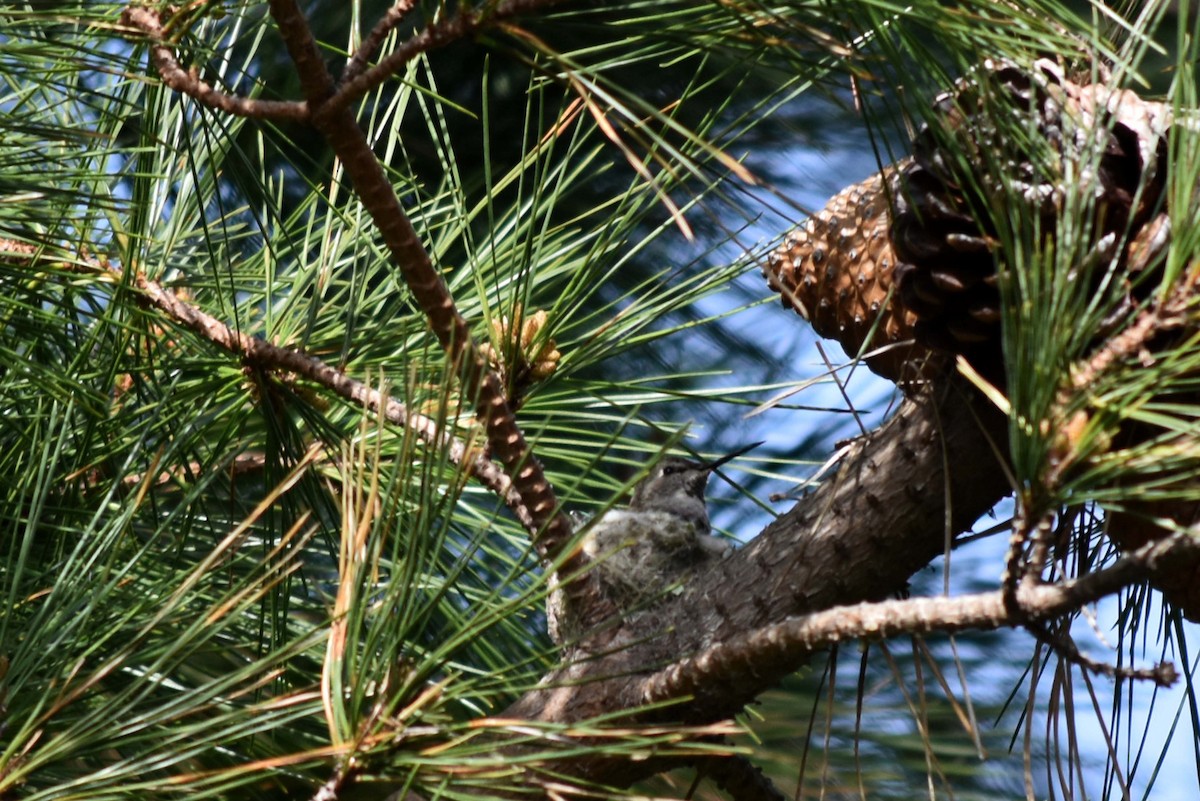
(662, 537)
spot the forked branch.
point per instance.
(479, 383)
(187, 81)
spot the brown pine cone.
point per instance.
(947, 271)
(870, 274)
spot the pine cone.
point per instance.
(947, 270)
(920, 274)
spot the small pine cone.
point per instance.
(534, 356)
(837, 272)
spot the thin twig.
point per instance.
(149, 22)
(370, 45)
(1167, 315)
(1063, 645)
(467, 22)
(1010, 579)
(331, 790)
(1039, 551)
(267, 355)
(241, 463)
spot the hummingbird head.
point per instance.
(672, 478)
(676, 485)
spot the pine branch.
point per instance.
(463, 24)
(337, 124)
(370, 45)
(149, 23)
(269, 356)
(816, 556)
(341, 130)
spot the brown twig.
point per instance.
(241, 463)
(370, 45)
(1064, 645)
(338, 125)
(331, 790)
(149, 22)
(1167, 315)
(1010, 578)
(265, 354)
(1044, 539)
(465, 23)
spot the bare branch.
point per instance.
(358, 62)
(789, 641)
(1063, 645)
(440, 33)
(149, 22)
(265, 354)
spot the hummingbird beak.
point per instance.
(715, 463)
